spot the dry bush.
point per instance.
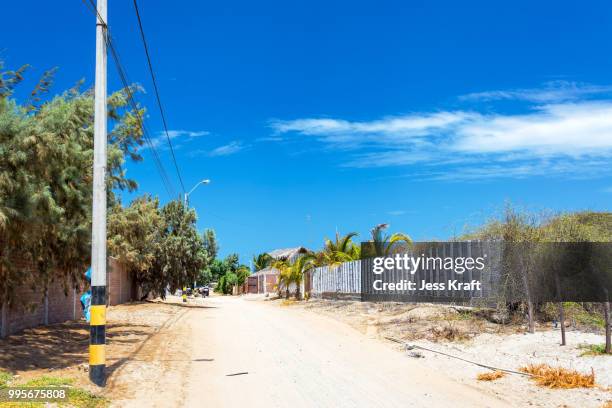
(448, 333)
(491, 376)
(557, 377)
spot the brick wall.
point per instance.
(28, 310)
(33, 309)
(63, 304)
(249, 286)
(119, 283)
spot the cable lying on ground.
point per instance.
(414, 346)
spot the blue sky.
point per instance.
(314, 116)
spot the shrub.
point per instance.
(557, 377)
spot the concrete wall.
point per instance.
(32, 308)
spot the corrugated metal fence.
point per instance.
(345, 278)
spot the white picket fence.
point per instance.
(345, 278)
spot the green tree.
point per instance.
(232, 262)
(221, 285)
(242, 274)
(134, 237)
(520, 226)
(302, 265)
(516, 227)
(160, 246)
(46, 160)
(182, 252)
(384, 244)
(284, 276)
(581, 227)
(218, 268)
(262, 261)
(343, 249)
(205, 277)
(231, 279)
(229, 272)
(209, 242)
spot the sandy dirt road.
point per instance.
(248, 353)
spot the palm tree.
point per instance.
(301, 266)
(343, 249)
(284, 276)
(294, 273)
(262, 261)
(384, 244)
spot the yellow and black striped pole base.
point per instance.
(97, 336)
(184, 294)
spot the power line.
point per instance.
(156, 159)
(125, 82)
(159, 104)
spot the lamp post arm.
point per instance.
(194, 187)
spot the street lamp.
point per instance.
(205, 181)
(186, 198)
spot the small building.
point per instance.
(267, 278)
(249, 286)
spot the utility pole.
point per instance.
(97, 333)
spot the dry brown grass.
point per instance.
(607, 404)
(447, 333)
(557, 377)
(490, 376)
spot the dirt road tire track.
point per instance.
(154, 374)
(300, 359)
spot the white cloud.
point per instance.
(226, 150)
(563, 138)
(187, 133)
(551, 92)
(574, 170)
(389, 129)
(573, 129)
(184, 135)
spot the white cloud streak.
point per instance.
(551, 139)
(551, 92)
(228, 149)
(183, 135)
